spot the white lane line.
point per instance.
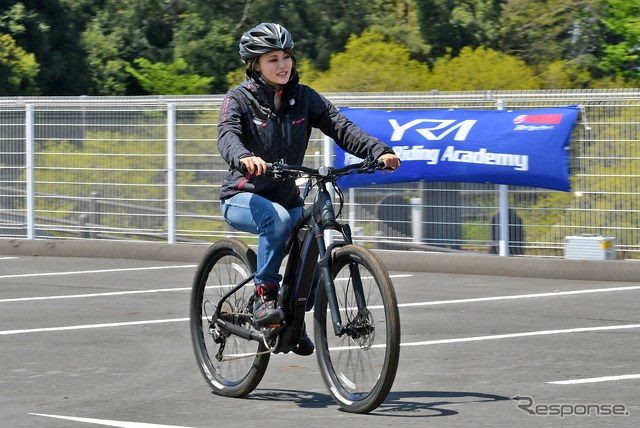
(524, 334)
(519, 296)
(595, 379)
(504, 336)
(106, 422)
(82, 272)
(89, 326)
(107, 294)
(7, 258)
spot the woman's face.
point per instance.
(275, 67)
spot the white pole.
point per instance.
(416, 219)
(171, 174)
(503, 190)
(30, 165)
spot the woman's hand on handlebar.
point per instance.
(391, 161)
(254, 164)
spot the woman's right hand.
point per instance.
(255, 164)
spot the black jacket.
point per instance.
(250, 125)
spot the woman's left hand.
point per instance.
(390, 161)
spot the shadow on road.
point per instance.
(431, 403)
(397, 404)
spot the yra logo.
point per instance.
(550, 119)
(439, 128)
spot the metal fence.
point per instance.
(147, 168)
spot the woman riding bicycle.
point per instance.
(269, 118)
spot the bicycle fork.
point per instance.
(325, 266)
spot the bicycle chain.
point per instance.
(268, 351)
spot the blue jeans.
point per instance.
(272, 223)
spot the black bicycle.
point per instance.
(356, 320)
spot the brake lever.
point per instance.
(382, 167)
(377, 165)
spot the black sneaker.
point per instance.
(304, 347)
(265, 308)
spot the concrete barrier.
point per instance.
(410, 261)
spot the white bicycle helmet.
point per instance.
(264, 38)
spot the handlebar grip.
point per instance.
(243, 167)
(380, 165)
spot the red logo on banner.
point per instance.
(552, 119)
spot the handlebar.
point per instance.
(279, 169)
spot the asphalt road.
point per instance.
(105, 342)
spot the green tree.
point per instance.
(369, 63)
(401, 25)
(450, 25)
(562, 74)
(209, 46)
(18, 69)
(120, 32)
(622, 53)
(541, 32)
(481, 69)
(168, 79)
(50, 30)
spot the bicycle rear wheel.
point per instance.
(230, 364)
(359, 367)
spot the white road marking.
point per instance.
(7, 258)
(82, 272)
(107, 294)
(520, 296)
(524, 334)
(88, 326)
(595, 379)
(105, 422)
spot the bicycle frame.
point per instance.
(307, 251)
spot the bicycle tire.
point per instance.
(359, 373)
(224, 265)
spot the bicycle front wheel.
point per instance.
(233, 366)
(358, 367)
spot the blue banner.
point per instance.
(516, 147)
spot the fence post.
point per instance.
(503, 190)
(171, 173)
(416, 219)
(30, 165)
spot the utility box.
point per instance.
(589, 247)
